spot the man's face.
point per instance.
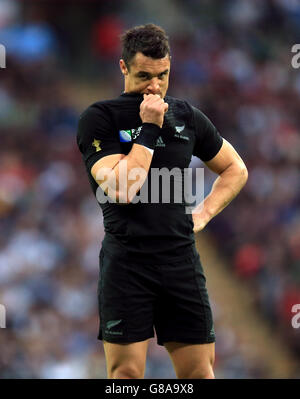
(147, 75)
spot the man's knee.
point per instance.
(202, 370)
(126, 371)
(125, 360)
(198, 373)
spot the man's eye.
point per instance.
(162, 75)
(144, 77)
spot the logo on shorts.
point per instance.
(113, 323)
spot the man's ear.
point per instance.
(123, 67)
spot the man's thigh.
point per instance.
(192, 360)
(126, 359)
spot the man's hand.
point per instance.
(200, 219)
(232, 177)
(152, 109)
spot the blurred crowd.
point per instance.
(232, 61)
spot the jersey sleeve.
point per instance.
(208, 139)
(96, 137)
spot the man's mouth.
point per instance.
(160, 94)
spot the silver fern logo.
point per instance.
(112, 323)
(179, 129)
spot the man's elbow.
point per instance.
(243, 171)
(123, 198)
(114, 192)
(120, 197)
(117, 197)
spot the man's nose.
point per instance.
(154, 86)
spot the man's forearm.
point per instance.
(130, 173)
(122, 177)
(225, 188)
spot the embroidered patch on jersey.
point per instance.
(96, 144)
(179, 129)
(178, 134)
(181, 136)
(126, 136)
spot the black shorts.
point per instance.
(135, 297)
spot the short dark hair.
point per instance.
(150, 39)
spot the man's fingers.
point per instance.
(152, 97)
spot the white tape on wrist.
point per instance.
(149, 149)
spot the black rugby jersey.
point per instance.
(147, 231)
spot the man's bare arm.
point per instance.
(121, 176)
(112, 173)
(232, 177)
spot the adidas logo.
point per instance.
(160, 142)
